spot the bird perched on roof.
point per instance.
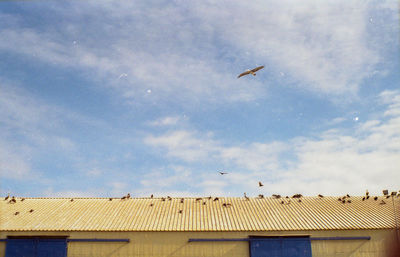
(16, 213)
(182, 200)
(226, 204)
(261, 196)
(162, 199)
(276, 196)
(22, 199)
(260, 184)
(128, 196)
(252, 72)
(382, 202)
(6, 198)
(31, 210)
(348, 195)
(375, 198)
(110, 199)
(169, 198)
(320, 196)
(366, 193)
(151, 205)
(245, 196)
(223, 173)
(151, 196)
(72, 200)
(180, 211)
(297, 196)
(12, 200)
(198, 199)
(216, 199)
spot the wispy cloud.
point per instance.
(185, 145)
(165, 121)
(194, 50)
(334, 161)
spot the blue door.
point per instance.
(280, 247)
(36, 247)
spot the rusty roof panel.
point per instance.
(226, 214)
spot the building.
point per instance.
(230, 227)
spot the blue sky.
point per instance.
(101, 98)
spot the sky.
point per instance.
(102, 98)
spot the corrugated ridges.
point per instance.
(240, 214)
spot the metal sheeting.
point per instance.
(145, 214)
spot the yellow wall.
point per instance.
(169, 244)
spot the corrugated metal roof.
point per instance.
(239, 214)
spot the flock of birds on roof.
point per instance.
(346, 199)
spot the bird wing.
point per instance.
(257, 69)
(244, 73)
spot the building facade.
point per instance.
(254, 227)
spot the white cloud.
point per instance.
(185, 145)
(49, 192)
(14, 163)
(94, 172)
(321, 45)
(30, 127)
(337, 161)
(193, 51)
(166, 121)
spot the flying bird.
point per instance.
(252, 72)
(223, 173)
(260, 184)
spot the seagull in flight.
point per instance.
(252, 72)
(223, 173)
